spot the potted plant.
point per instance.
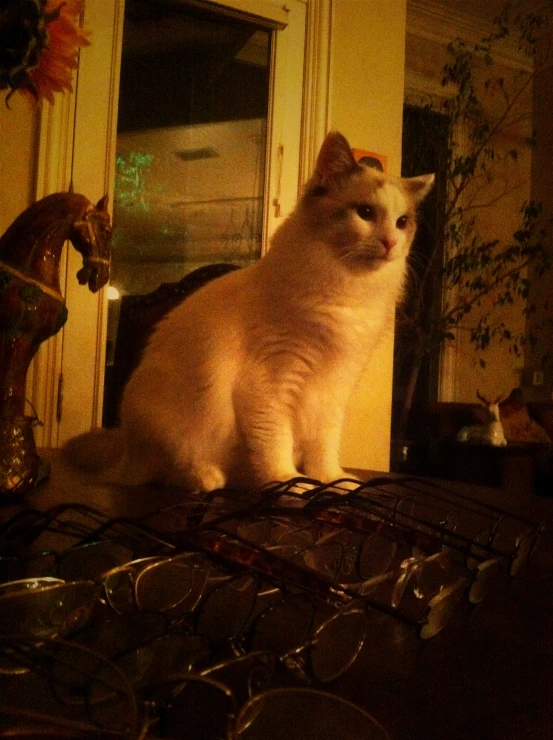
(479, 281)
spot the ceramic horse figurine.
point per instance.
(32, 308)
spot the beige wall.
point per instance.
(18, 146)
(500, 220)
(366, 88)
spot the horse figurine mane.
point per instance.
(32, 307)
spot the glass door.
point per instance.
(190, 152)
(220, 84)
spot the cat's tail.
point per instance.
(102, 453)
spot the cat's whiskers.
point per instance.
(363, 256)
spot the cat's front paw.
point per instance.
(207, 478)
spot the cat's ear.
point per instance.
(335, 159)
(419, 186)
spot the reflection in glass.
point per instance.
(190, 160)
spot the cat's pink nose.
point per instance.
(388, 243)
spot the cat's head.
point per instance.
(366, 217)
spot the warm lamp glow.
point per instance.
(113, 293)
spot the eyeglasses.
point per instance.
(78, 692)
(483, 568)
(214, 602)
(391, 508)
(221, 606)
(156, 583)
(336, 569)
(54, 529)
(201, 706)
(194, 509)
(434, 509)
(141, 646)
(378, 593)
(333, 647)
(304, 713)
(293, 587)
(429, 527)
(45, 607)
(81, 562)
(41, 607)
(386, 534)
(340, 553)
(509, 535)
(72, 687)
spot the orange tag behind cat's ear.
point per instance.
(371, 159)
(335, 158)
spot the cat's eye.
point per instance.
(402, 222)
(367, 213)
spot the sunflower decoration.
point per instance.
(39, 47)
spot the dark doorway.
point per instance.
(424, 150)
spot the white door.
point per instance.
(80, 137)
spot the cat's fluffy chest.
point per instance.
(316, 297)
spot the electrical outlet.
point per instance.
(537, 377)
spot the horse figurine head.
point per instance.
(91, 236)
(32, 245)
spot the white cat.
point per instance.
(247, 380)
